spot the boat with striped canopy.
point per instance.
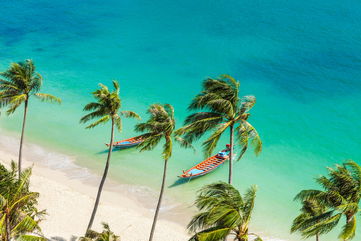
(127, 143)
(207, 166)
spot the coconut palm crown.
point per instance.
(305, 221)
(223, 212)
(222, 109)
(105, 109)
(17, 85)
(105, 235)
(341, 195)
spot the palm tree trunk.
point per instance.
(159, 200)
(231, 137)
(22, 137)
(7, 229)
(103, 179)
(317, 237)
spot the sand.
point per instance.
(69, 197)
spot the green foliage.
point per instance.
(221, 107)
(223, 212)
(314, 219)
(105, 235)
(19, 217)
(161, 124)
(107, 107)
(20, 82)
(340, 196)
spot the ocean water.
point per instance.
(302, 60)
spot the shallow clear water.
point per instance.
(301, 59)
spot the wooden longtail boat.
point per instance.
(206, 166)
(127, 143)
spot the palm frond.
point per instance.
(348, 230)
(29, 237)
(213, 234)
(27, 224)
(92, 106)
(247, 102)
(356, 169)
(198, 128)
(150, 141)
(247, 132)
(118, 122)
(202, 117)
(92, 115)
(210, 144)
(170, 110)
(184, 143)
(48, 97)
(167, 148)
(249, 201)
(130, 114)
(102, 120)
(222, 211)
(12, 108)
(116, 86)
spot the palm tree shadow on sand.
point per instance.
(73, 238)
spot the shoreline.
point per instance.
(67, 192)
(65, 186)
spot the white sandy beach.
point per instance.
(69, 201)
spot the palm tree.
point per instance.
(159, 126)
(107, 107)
(223, 213)
(304, 223)
(222, 109)
(19, 217)
(105, 235)
(19, 83)
(341, 195)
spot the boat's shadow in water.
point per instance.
(180, 181)
(114, 150)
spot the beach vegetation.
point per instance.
(305, 221)
(340, 193)
(105, 235)
(19, 216)
(223, 213)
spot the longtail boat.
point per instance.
(207, 166)
(127, 143)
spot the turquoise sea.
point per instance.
(301, 59)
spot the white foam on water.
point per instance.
(51, 159)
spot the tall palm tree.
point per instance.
(105, 235)
(19, 217)
(222, 109)
(106, 108)
(341, 195)
(19, 83)
(223, 213)
(304, 222)
(160, 125)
